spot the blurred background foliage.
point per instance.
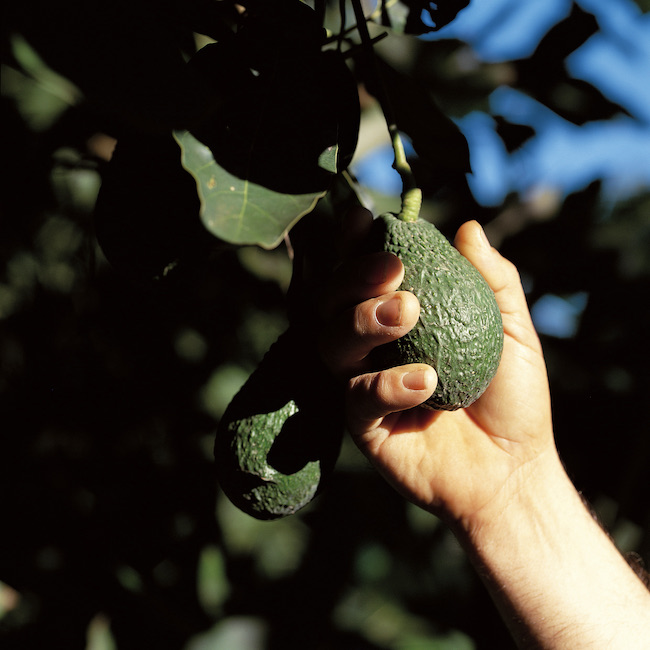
(114, 534)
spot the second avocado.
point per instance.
(459, 331)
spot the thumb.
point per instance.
(503, 278)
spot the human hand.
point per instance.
(491, 471)
(461, 464)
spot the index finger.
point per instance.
(355, 228)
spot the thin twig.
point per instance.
(411, 194)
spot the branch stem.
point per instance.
(411, 194)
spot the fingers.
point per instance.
(361, 276)
(360, 306)
(356, 226)
(359, 279)
(499, 273)
(352, 334)
(373, 396)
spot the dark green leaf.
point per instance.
(434, 135)
(285, 125)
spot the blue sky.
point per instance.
(562, 156)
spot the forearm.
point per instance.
(555, 575)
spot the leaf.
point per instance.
(285, 126)
(146, 215)
(238, 210)
(544, 75)
(435, 137)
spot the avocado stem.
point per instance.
(411, 193)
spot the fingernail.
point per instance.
(483, 236)
(390, 312)
(416, 380)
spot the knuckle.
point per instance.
(512, 271)
(379, 388)
(362, 319)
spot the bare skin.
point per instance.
(491, 471)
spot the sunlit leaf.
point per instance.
(211, 581)
(221, 387)
(380, 618)
(99, 635)
(41, 94)
(277, 551)
(235, 632)
(238, 210)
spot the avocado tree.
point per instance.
(143, 284)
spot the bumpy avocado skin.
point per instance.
(278, 441)
(459, 332)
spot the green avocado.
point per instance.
(459, 331)
(278, 441)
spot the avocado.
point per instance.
(459, 331)
(278, 441)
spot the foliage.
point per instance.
(113, 376)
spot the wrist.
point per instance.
(535, 492)
(555, 575)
